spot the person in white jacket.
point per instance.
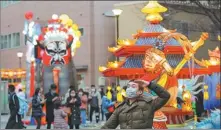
(21, 94)
(95, 103)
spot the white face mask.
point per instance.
(131, 92)
(73, 94)
(93, 89)
(80, 93)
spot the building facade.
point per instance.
(98, 32)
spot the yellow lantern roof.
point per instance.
(153, 7)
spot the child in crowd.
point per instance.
(59, 116)
(83, 106)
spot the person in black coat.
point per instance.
(102, 94)
(37, 104)
(51, 96)
(14, 121)
(74, 102)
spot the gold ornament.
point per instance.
(206, 93)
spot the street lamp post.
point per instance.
(115, 13)
(19, 55)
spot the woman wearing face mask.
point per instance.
(74, 102)
(137, 111)
(37, 103)
(83, 107)
(95, 103)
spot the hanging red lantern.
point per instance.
(28, 15)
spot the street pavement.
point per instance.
(93, 125)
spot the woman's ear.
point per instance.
(140, 92)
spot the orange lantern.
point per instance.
(10, 74)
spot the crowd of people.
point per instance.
(78, 106)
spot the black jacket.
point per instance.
(50, 106)
(14, 121)
(13, 103)
(36, 106)
(75, 117)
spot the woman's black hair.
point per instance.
(72, 89)
(11, 88)
(53, 86)
(57, 104)
(80, 90)
(37, 90)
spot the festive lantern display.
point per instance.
(28, 15)
(163, 56)
(206, 93)
(13, 73)
(119, 94)
(109, 94)
(51, 46)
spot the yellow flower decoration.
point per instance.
(64, 18)
(75, 27)
(69, 22)
(78, 44)
(78, 34)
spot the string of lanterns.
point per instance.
(13, 73)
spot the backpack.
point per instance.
(23, 105)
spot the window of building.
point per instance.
(8, 2)
(1, 45)
(17, 39)
(5, 41)
(82, 31)
(10, 41)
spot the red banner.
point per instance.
(32, 79)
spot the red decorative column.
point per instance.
(56, 72)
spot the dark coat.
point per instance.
(75, 117)
(14, 121)
(50, 106)
(139, 114)
(36, 107)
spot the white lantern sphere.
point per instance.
(54, 16)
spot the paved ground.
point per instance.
(93, 125)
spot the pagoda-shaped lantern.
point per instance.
(156, 53)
